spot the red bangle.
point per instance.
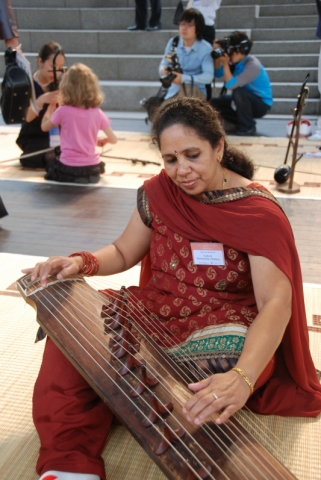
(90, 265)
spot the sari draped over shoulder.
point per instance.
(246, 221)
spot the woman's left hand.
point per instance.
(223, 392)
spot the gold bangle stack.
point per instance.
(240, 372)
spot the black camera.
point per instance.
(174, 67)
(225, 47)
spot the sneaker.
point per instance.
(134, 28)
(315, 136)
(57, 475)
(152, 29)
(81, 180)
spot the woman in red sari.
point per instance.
(221, 280)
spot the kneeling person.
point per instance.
(248, 80)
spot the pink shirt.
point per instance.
(78, 134)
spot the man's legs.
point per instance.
(72, 421)
(248, 106)
(209, 36)
(141, 14)
(223, 105)
(156, 11)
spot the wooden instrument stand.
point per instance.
(290, 186)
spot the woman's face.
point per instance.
(46, 67)
(190, 161)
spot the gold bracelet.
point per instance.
(240, 372)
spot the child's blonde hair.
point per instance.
(79, 87)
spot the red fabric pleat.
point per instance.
(72, 421)
(257, 226)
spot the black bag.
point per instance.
(151, 104)
(16, 90)
(178, 12)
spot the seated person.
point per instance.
(80, 119)
(251, 88)
(31, 138)
(193, 54)
(221, 317)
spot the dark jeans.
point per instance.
(248, 107)
(209, 36)
(142, 11)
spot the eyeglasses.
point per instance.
(187, 24)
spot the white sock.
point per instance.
(56, 475)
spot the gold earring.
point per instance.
(219, 159)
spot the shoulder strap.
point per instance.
(175, 43)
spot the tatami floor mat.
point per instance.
(124, 167)
(295, 441)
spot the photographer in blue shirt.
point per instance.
(193, 63)
(246, 77)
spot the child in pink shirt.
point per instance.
(80, 120)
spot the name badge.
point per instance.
(208, 253)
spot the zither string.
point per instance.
(103, 345)
(140, 313)
(210, 433)
(157, 327)
(40, 295)
(271, 439)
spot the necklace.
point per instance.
(224, 179)
(42, 85)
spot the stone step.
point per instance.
(305, 21)
(131, 4)
(297, 9)
(281, 34)
(295, 75)
(286, 47)
(83, 18)
(286, 61)
(86, 3)
(118, 94)
(292, 90)
(145, 67)
(265, 2)
(146, 43)
(250, 16)
(230, 17)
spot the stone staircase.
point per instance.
(95, 32)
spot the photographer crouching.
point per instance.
(246, 77)
(187, 66)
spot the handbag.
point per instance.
(16, 90)
(151, 104)
(178, 12)
(190, 90)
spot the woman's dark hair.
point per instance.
(241, 42)
(48, 49)
(200, 116)
(191, 14)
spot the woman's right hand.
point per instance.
(61, 267)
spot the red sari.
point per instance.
(250, 220)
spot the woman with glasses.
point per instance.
(193, 54)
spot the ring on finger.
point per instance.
(215, 396)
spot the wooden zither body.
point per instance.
(142, 386)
